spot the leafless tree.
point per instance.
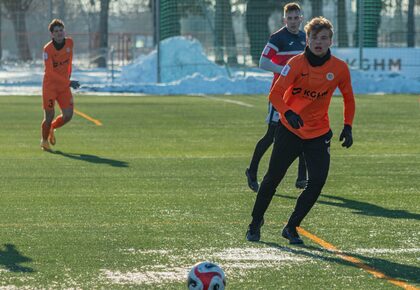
(99, 37)
(343, 39)
(371, 21)
(224, 34)
(103, 33)
(257, 14)
(16, 10)
(316, 6)
(172, 13)
(1, 30)
(411, 28)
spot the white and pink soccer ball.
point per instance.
(206, 276)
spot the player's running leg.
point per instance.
(317, 156)
(286, 149)
(65, 101)
(45, 129)
(263, 144)
(51, 136)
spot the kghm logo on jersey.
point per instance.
(308, 94)
(68, 49)
(56, 63)
(329, 76)
(314, 94)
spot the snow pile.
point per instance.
(195, 84)
(179, 58)
(389, 83)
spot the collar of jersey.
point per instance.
(57, 45)
(316, 60)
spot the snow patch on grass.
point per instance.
(257, 254)
(147, 277)
(145, 252)
(13, 287)
(234, 261)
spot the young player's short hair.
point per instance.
(291, 7)
(317, 24)
(54, 23)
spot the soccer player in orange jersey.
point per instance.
(58, 56)
(302, 96)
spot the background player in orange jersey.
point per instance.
(302, 96)
(282, 46)
(58, 56)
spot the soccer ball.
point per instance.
(206, 276)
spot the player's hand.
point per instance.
(347, 136)
(293, 119)
(74, 84)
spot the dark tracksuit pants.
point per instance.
(287, 147)
(264, 143)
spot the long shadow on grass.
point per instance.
(10, 257)
(408, 273)
(364, 208)
(93, 159)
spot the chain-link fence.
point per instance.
(234, 33)
(231, 32)
(25, 32)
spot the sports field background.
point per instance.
(161, 185)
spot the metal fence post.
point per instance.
(112, 63)
(157, 27)
(50, 7)
(361, 32)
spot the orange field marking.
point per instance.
(96, 122)
(355, 261)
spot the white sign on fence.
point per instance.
(405, 61)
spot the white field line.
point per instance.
(386, 251)
(228, 101)
(378, 155)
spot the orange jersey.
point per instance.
(307, 91)
(58, 65)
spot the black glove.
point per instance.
(346, 136)
(74, 84)
(293, 119)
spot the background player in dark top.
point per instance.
(282, 45)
